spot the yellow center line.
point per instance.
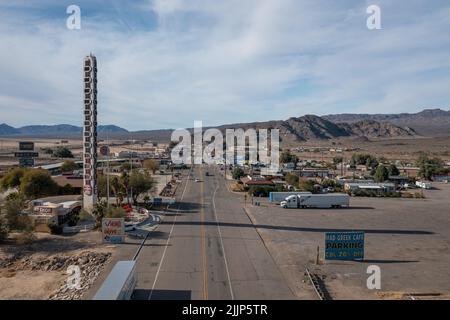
(203, 234)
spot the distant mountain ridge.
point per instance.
(60, 130)
(429, 122)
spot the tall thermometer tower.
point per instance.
(90, 133)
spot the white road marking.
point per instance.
(221, 242)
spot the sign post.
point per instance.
(26, 154)
(344, 245)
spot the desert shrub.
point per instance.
(25, 238)
(54, 228)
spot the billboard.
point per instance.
(344, 245)
(113, 230)
(26, 162)
(26, 154)
(26, 146)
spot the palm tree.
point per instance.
(125, 178)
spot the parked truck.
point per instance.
(423, 185)
(330, 200)
(277, 197)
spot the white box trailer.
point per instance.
(277, 197)
(423, 185)
(329, 200)
(120, 283)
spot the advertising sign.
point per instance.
(113, 230)
(43, 210)
(26, 154)
(104, 151)
(344, 245)
(26, 146)
(26, 162)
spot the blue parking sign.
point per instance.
(344, 245)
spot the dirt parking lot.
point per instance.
(409, 239)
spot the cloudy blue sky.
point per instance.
(166, 63)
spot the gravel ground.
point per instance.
(409, 239)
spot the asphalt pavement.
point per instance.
(207, 248)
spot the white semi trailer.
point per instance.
(330, 200)
(277, 197)
(423, 185)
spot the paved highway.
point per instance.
(207, 248)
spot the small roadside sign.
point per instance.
(26, 146)
(104, 151)
(344, 245)
(113, 230)
(26, 162)
(26, 154)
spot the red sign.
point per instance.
(88, 190)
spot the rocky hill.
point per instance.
(308, 127)
(429, 122)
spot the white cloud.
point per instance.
(222, 62)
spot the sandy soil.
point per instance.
(18, 281)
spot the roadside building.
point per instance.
(377, 187)
(44, 213)
(259, 181)
(343, 181)
(441, 178)
(411, 172)
(399, 180)
(76, 182)
(315, 173)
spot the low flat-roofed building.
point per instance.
(381, 187)
(249, 181)
(409, 171)
(315, 172)
(44, 213)
(76, 182)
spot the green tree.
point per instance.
(306, 185)
(115, 212)
(381, 174)
(125, 180)
(4, 228)
(12, 178)
(12, 210)
(364, 159)
(393, 170)
(287, 157)
(38, 183)
(151, 165)
(99, 212)
(69, 165)
(84, 215)
(117, 189)
(428, 166)
(140, 183)
(337, 160)
(237, 173)
(126, 166)
(101, 185)
(292, 179)
(371, 162)
(62, 152)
